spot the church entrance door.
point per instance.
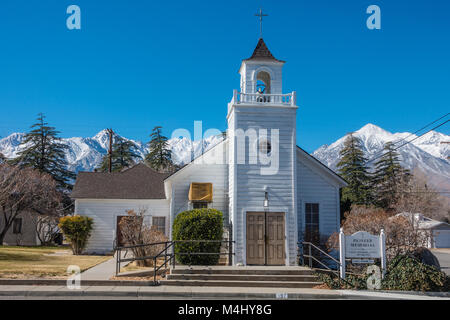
(265, 238)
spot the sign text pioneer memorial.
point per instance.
(362, 245)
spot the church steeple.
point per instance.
(261, 70)
(261, 52)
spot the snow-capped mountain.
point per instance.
(85, 154)
(427, 153)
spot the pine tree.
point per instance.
(44, 152)
(124, 155)
(352, 167)
(160, 156)
(2, 158)
(389, 175)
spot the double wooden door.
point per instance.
(265, 238)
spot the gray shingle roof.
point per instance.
(137, 182)
(261, 52)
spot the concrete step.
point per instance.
(216, 270)
(240, 277)
(221, 283)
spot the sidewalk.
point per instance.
(173, 292)
(104, 270)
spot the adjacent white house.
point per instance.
(271, 192)
(437, 232)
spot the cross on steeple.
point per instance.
(260, 14)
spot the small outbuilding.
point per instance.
(438, 231)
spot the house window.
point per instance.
(160, 224)
(312, 223)
(17, 225)
(199, 205)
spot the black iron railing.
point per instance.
(168, 253)
(310, 257)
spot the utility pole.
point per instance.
(110, 133)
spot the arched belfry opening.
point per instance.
(261, 73)
(263, 82)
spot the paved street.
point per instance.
(443, 256)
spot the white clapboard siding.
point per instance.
(211, 167)
(315, 185)
(250, 184)
(105, 212)
(231, 170)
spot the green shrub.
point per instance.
(198, 224)
(352, 281)
(407, 273)
(77, 230)
(404, 273)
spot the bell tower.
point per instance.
(262, 175)
(261, 73)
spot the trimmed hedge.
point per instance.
(198, 224)
(78, 230)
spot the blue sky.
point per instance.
(137, 64)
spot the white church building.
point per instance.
(272, 193)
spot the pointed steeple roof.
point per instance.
(261, 52)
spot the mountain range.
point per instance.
(85, 154)
(427, 153)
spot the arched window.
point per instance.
(263, 82)
(263, 86)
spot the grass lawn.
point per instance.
(133, 267)
(49, 262)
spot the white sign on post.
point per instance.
(362, 245)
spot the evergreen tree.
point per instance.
(389, 176)
(44, 151)
(352, 167)
(124, 155)
(160, 156)
(2, 158)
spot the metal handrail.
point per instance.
(164, 253)
(322, 252)
(142, 245)
(230, 252)
(119, 251)
(311, 257)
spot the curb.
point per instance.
(420, 293)
(188, 294)
(87, 283)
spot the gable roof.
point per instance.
(330, 173)
(261, 52)
(137, 182)
(194, 160)
(327, 170)
(422, 221)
